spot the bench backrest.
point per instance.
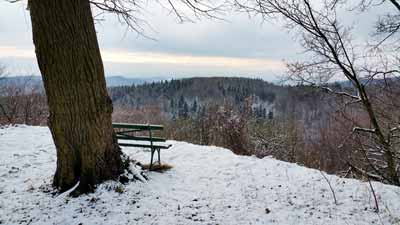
(137, 126)
(123, 132)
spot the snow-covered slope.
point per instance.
(208, 185)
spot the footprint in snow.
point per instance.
(26, 165)
(14, 170)
(42, 150)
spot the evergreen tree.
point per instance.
(194, 107)
(185, 111)
(270, 115)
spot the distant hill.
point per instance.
(191, 94)
(112, 81)
(21, 81)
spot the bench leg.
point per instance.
(159, 159)
(151, 160)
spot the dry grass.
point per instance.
(157, 167)
(119, 189)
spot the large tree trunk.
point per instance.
(69, 59)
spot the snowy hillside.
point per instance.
(208, 185)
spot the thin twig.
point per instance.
(330, 186)
(373, 193)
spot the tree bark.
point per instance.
(80, 109)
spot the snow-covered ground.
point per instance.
(208, 185)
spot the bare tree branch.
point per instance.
(330, 51)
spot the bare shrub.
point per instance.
(23, 104)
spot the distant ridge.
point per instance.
(112, 81)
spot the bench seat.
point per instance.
(141, 138)
(144, 145)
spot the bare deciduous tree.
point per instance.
(333, 55)
(22, 101)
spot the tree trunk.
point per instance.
(80, 109)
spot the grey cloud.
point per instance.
(239, 36)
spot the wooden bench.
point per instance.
(127, 132)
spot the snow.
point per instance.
(208, 185)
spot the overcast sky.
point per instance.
(238, 46)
